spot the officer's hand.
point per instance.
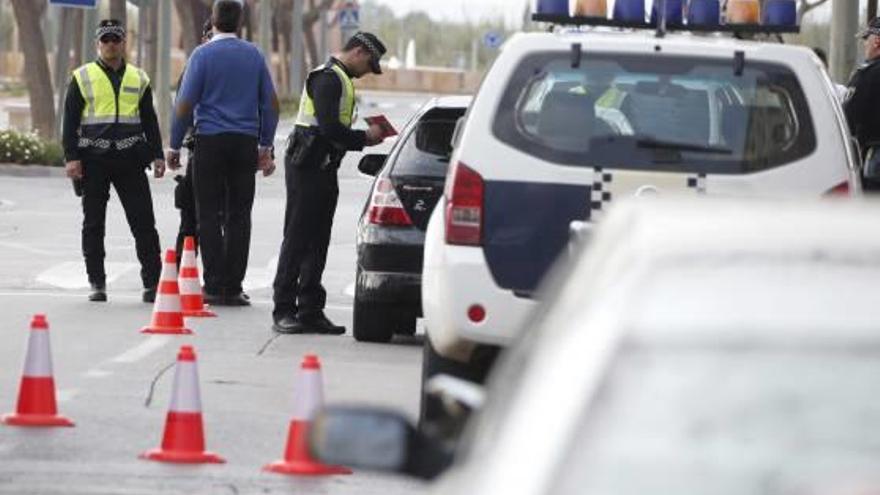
(74, 169)
(266, 163)
(374, 135)
(159, 168)
(173, 159)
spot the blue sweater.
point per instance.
(228, 87)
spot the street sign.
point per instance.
(493, 39)
(349, 16)
(83, 4)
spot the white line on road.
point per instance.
(349, 290)
(142, 350)
(72, 274)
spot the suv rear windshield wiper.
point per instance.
(655, 144)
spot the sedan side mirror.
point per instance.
(376, 440)
(372, 164)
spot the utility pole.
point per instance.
(62, 61)
(266, 30)
(323, 51)
(872, 9)
(163, 72)
(297, 49)
(89, 25)
(844, 24)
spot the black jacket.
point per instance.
(73, 108)
(862, 105)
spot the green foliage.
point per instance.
(26, 149)
(438, 43)
(289, 106)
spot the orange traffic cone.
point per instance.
(184, 437)
(191, 299)
(36, 396)
(167, 313)
(309, 398)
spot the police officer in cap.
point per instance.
(110, 135)
(316, 147)
(862, 105)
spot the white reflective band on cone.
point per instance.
(169, 272)
(188, 260)
(166, 303)
(308, 395)
(38, 361)
(190, 286)
(185, 397)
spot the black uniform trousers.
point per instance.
(184, 200)
(312, 195)
(133, 189)
(224, 180)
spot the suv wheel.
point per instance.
(372, 323)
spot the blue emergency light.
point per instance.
(705, 13)
(780, 13)
(629, 10)
(553, 7)
(674, 14)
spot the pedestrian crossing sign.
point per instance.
(349, 16)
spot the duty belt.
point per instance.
(106, 144)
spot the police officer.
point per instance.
(862, 105)
(316, 147)
(110, 135)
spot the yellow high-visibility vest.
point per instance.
(307, 116)
(102, 106)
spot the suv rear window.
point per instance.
(687, 114)
(426, 150)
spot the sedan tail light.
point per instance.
(840, 190)
(385, 206)
(464, 206)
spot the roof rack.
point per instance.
(565, 20)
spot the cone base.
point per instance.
(35, 420)
(166, 331)
(182, 457)
(305, 468)
(202, 313)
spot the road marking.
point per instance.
(97, 373)
(67, 394)
(349, 290)
(72, 274)
(260, 278)
(142, 350)
(30, 249)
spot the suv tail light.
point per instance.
(464, 207)
(838, 191)
(385, 207)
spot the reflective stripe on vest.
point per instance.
(101, 100)
(307, 116)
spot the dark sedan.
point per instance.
(391, 232)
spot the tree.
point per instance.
(805, 6)
(27, 15)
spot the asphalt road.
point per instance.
(109, 376)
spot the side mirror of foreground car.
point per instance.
(372, 164)
(376, 440)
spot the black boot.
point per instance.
(99, 293)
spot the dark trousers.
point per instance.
(312, 195)
(133, 189)
(185, 201)
(224, 180)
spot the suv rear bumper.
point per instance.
(454, 279)
(392, 288)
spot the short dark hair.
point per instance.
(227, 15)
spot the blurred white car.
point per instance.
(568, 123)
(692, 348)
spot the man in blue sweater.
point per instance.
(229, 89)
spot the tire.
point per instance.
(372, 323)
(405, 323)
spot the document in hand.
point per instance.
(388, 130)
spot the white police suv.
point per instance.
(568, 122)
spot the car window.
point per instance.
(673, 416)
(427, 148)
(682, 114)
